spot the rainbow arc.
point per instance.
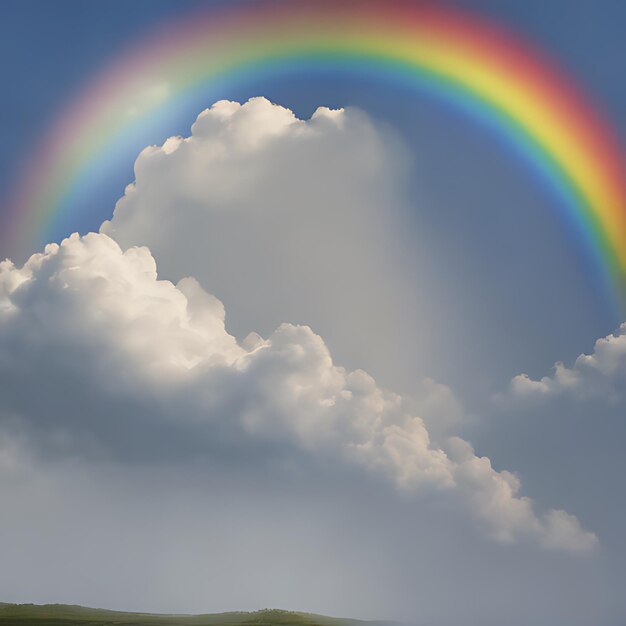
(456, 55)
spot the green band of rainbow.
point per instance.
(474, 62)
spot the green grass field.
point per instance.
(69, 615)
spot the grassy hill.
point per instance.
(69, 615)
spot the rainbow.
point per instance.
(475, 65)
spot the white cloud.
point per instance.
(126, 363)
(289, 219)
(601, 375)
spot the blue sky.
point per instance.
(485, 284)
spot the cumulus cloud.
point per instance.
(601, 374)
(287, 219)
(127, 364)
